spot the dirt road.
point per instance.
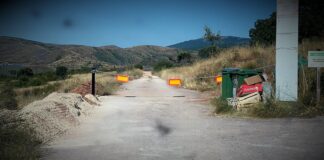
(148, 120)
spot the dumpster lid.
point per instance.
(241, 71)
(250, 71)
(230, 70)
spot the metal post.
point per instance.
(318, 86)
(93, 91)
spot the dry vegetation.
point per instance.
(104, 79)
(19, 140)
(199, 76)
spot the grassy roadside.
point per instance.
(252, 57)
(106, 80)
(17, 140)
(240, 57)
(269, 109)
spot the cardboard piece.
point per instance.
(253, 80)
(248, 89)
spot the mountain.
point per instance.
(225, 42)
(31, 53)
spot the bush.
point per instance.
(139, 66)
(221, 106)
(83, 69)
(17, 140)
(208, 52)
(184, 57)
(35, 82)
(25, 72)
(135, 73)
(162, 65)
(61, 72)
(7, 97)
(269, 109)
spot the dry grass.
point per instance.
(252, 58)
(104, 79)
(240, 57)
(17, 140)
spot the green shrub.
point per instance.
(17, 140)
(139, 66)
(184, 57)
(278, 109)
(61, 72)
(271, 109)
(221, 106)
(7, 97)
(35, 82)
(162, 65)
(208, 52)
(28, 72)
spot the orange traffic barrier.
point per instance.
(122, 78)
(175, 82)
(218, 79)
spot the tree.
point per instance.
(164, 64)
(25, 72)
(184, 57)
(208, 51)
(264, 31)
(61, 71)
(212, 38)
(311, 24)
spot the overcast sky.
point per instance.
(128, 23)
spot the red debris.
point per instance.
(85, 89)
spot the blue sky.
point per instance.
(127, 23)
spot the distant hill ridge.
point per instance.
(225, 42)
(22, 51)
(27, 52)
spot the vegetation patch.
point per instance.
(269, 109)
(199, 76)
(221, 106)
(17, 140)
(7, 97)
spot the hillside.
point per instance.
(32, 53)
(225, 42)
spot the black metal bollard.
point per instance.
(93, 89)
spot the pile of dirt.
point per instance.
(92, 99)
(85, 88)
(56, 113)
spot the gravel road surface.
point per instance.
(148, 120)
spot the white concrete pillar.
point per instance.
(287, 50)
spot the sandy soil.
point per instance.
(56, 114)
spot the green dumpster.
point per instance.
(233, 78)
